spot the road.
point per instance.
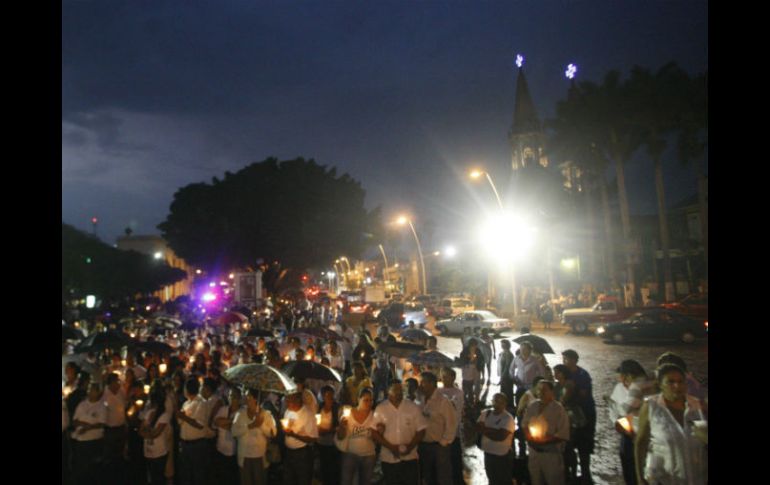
(600, 360)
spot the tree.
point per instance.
(296, 212)
(91, 267)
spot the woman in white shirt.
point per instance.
(155, 430)
(354, 435)
(252, 427)
(226, 462)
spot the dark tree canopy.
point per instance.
(296, 212)
(90, 266)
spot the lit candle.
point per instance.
(146, 389)
(535, 431)
(139, 403)
(133, 335)
(285, 423)
(175, 335)
(123, 362)
(308, 357)
(626, 424)
(440, 385)
(286, 358)
(162, 368)
(318, 419)
(346, 412)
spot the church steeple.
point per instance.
(526, 134)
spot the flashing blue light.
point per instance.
(519, 60)
(570, 72)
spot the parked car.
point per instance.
(606, 309)
(695, 305)
(654, 324)
(453, 306)
(474, 319)
(398, 315)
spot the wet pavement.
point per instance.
(600, 360)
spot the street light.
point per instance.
(404, 220)
(450, 252)
(475, 174)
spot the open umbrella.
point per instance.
(307, 369)
(432, 358)
(111, 339)
(400, 349)
(539, 344)
(230, 317)
(261, 377)
(153, 346)
(70, 333)
(415, 334)
(316, 332)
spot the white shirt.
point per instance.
(197, 410)
(457, 398)
(303, 423)
(225, 440)
(158, 446)
(116, 407)
(359, 435)
(252, 443)
(139, 372)
(523, 372)
(442, 420)
(401, 424)
(210, 403)
(90, 413)
(503, 420)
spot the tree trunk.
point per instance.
(626, 222)
(591, 219)
(608, 246)
(664, 237)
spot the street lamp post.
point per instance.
(385, 269)
(404, 220)
(474, 175)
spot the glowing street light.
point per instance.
(404, 220)
(475, 174)
(450, 252)
(158, 255)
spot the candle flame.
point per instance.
(146, 389)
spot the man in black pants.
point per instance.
(194, 454)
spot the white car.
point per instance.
(454, 306)
(475, 319)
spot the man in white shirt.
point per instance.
(139, 372)
(546, 427)
(497, 427)
(523, 370)
(400, 426)
(88, 445)
(457, 398)
(301, 432)
(439, 434)
(115, 428)
(195, 454)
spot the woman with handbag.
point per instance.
(354, 439)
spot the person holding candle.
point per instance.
(301, 431)
(440, 432)
(399, 428)
(669, 450)
(155, 418)
(88, 423)
(497, 427)
(225, 462)
(473, 365)
(524, 368)
(252, 426)
(358, 455)
(336, 359)
(546, 427)
(194, 455)
(624, 405)
(329, 420)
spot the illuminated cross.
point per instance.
(571, 70)
(519, 60)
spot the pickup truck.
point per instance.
(607, 309)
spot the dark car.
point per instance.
(654, 325)
(695, 305)
(397, 315)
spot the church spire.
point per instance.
(524, 115)
(526, 134)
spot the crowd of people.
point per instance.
(136, 417)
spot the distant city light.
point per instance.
(231, 276)
(90, 301)
(209, 297)
(212, 284)
(158, 255)
(94, 220)
(197, 271)
(571, 70)
(519, 60)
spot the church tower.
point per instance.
(526, 134)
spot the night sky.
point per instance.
(403, 96)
